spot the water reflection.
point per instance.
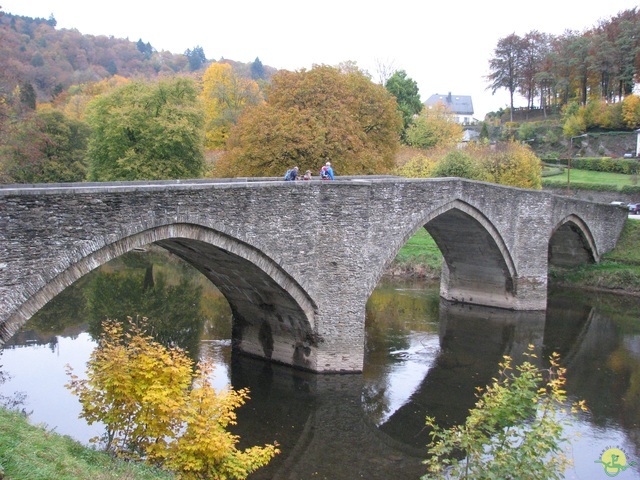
(423, 357)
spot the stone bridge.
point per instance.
(297, 261)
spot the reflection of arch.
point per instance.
(571, 243)
(262, 296)
(478, 266)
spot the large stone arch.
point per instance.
(273, 315)
(571, 243)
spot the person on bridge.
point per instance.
(307, 175)
(326, 172)
(291, 174)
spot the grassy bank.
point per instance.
(618, 271)
(420, 258)
(28, 451)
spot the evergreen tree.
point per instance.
(257, 70)
(196, 58)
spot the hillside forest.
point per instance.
(77, 107)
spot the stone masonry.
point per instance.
(297, 261)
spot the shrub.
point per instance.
(514, 431)
(143, 393)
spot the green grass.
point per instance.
(420, 250)
(29, 451)
(588, 176)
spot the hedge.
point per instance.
(601, 164)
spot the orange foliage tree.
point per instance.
(310, 117)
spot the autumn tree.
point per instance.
(504, 66)
(155, 406)
(434, 127)
(312, 116)
(407, 95)
(631, 111)
(147, 131)
(44, 147)
(509, 163)
(225, 95)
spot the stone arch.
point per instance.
(571, 243)
(273, 315)
(478, 266)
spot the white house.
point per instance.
(460, 106)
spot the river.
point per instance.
(423, 357)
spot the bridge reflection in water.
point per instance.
(323, 424)
(425, 361)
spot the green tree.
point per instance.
(156, 407)
(407, 95)
(514, 431)
(147, 131)
(196, 57)
(257, 70)
(309, 117)
(457, 163)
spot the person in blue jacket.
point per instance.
(326, 173)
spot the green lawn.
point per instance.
(588, 176)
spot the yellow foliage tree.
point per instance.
(434, 127)
(225, 95)
(631, 111)
(510, 163)
(74, 102)
(157, 408)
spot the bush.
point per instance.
(515, 430)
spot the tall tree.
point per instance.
(147, 131)
(407, 95)
(257, 70)
(196, 57)
(225, 95)
(313, 116)
(505, 66)
(534, 50)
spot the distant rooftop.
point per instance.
(458, 104)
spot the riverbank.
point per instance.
(618, 271)
(32, 451)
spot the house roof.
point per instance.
(458, 104)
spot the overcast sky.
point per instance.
(444, 47)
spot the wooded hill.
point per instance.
(33, 51)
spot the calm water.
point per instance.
(423, 357)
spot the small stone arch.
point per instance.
(571, 243)
(262, 296)
(478, 266)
